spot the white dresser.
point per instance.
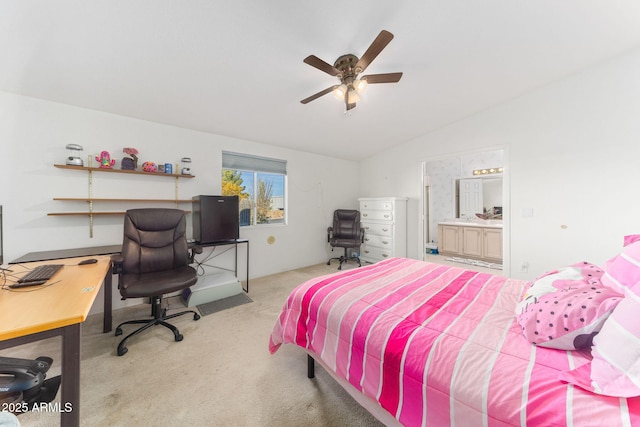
(384, 220)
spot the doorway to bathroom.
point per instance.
(471, 186)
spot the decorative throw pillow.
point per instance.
(615, 368)
(631, 238)
(623, 270)
(566, 307)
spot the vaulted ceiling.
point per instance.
(235, 68)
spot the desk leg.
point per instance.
(236, 270)
(247, 267)
(108, 297)
(236, 259)
(71, 375)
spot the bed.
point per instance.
(423, 344)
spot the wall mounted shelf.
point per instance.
(91, 213)
(135, 172)
(80, 199)
(90, 200)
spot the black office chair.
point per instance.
(345, 233)
(154, 261)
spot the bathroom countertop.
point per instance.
(488, 223)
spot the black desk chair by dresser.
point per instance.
(154, 262)
(345, 233)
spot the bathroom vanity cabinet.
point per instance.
(471, 240)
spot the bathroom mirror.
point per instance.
(478, 196)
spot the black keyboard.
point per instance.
(38, 275)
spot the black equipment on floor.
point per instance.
(23, 383)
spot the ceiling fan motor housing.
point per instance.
(346, 64)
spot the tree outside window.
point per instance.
(261, 195)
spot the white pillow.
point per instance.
(615, 368)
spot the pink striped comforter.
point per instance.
(437, 345)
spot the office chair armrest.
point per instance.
(194, 248)
(116, 262)
(361, 235)
(192, 253)
(329, 233)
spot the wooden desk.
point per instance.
(69, 253)
(60, 256)
(36, 313)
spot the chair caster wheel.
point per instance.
(122, 351)
(119, 332)
(196, 316)
(179, 337)
(329, 263)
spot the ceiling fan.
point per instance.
(348, 68)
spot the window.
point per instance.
(260, 182)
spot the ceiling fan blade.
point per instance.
(376, 47)
(382, 78)
(318, 63)
(319, 94)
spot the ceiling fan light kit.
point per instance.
(360, 85)
(352, 97)
(340, 91)
(348, 67)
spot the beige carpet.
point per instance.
(221, 374)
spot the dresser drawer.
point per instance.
(377, 215)
(378, 241)
(376, 205)
(370, 253)
(379, 229)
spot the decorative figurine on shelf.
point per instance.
(105, 160)
(149, 167)
(130, 163)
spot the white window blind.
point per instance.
(248, 162)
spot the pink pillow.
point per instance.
(623, 270)
(631, 238)
(565, 308)
(615, 368)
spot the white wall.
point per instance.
(571, 155)
(33, 134)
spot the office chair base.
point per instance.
(344, 259)
(159, 318)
